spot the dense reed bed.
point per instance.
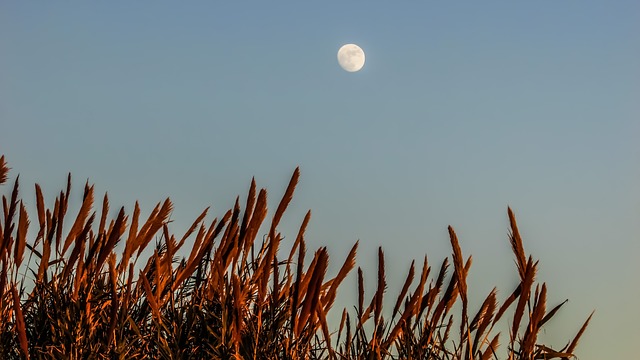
(68, 294)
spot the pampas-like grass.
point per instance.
(233, 296)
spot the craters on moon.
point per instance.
(351, 57)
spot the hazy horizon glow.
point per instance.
(460, 111)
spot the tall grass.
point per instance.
(236, 295)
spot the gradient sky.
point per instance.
(461, 110)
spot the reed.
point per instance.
(233, 296)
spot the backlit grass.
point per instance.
(71, 295)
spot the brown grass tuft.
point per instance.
(233, 296)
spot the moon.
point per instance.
(351, 57)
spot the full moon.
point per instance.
(351, 57)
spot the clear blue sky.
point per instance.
(461, 110)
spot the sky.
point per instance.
(462, 109)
